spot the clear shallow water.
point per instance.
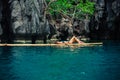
(55, 63)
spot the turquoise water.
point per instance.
(55, 63)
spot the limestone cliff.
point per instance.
(23, 18)
(105, 22)
(26, 18)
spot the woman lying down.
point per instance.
(71, 41)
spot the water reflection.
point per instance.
(5, 63)
(110, 62)
(54, 63)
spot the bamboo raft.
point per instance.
(77, 45)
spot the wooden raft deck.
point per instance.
(79, 45)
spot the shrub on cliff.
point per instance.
(72, 8)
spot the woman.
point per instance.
(71, 41)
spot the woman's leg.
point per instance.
(74, 39)
(78, 40)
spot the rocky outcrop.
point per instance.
(0, 18)
(6, 30)
(104, 24)
(26, 19)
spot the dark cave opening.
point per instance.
(7, 36)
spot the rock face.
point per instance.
(26, 19)
(0, 18)
(105, 22)
(6, 29)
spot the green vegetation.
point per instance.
(73, 8)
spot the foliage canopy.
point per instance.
(72, 8)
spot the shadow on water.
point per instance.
(111, 60)
(5, 63)
(111, 42)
